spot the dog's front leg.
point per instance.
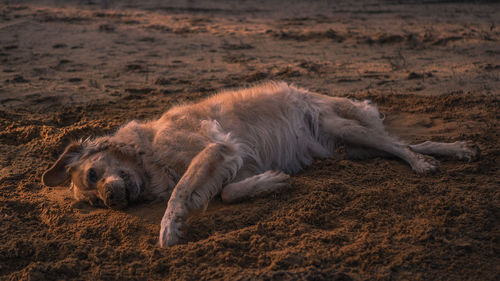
(206, 174)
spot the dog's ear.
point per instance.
(58, 173)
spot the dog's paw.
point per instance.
(273, 179)
(425, 165)
(467, 151)
(170, 232)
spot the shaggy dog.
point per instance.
(237, 143)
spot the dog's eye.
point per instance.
(92, 175)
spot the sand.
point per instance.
(72, 69)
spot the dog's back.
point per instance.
(277, 125)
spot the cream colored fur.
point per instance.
(238, 143)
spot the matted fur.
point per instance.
(239, 143)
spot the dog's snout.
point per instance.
(113, 196)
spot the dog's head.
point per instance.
(100, 172)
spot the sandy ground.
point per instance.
(70, 69)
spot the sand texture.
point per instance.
(72, 69)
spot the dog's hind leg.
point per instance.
(462, 150)
(258, 185)
(351, 132)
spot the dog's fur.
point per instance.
(237, 143)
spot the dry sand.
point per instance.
(69, 69)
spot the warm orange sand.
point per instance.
(72, 70)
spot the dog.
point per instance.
(239, 144)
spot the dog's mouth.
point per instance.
(127, 195)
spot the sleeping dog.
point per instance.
(238, 144)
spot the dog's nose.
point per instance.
(113, 198)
